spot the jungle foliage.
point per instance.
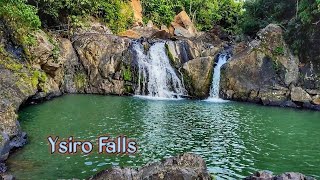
(300, 20)
(204, 13)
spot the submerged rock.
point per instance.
(184, 167)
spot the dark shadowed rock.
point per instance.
(116, 174)
(184, 167)
(3, 168)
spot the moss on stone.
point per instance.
(80, 80)
(169, 54)
(126, 73)
(8, 62)
(39, 79)
(278, 51)
(56, 48)
(129, 89)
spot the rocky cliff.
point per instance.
(265, 71)
(93, 62)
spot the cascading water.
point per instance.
(215, 87)
(157, 79)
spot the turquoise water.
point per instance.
(235, 139)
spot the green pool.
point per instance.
(235, 139)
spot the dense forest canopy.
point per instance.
(299, 18)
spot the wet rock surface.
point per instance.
(184, 167)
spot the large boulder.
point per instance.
(140, 32)
(200, 73)
(264, 71)
(42, 51)
(183, 26)
(184, 167)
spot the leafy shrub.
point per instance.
(204, 13)
(22, 20)
(117, 14)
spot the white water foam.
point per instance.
(157, 79)
(215, 87)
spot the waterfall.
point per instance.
(215, 87)
(157, 78)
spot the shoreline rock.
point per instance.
(184, 167)
(268, 175)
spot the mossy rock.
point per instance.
(126, 73)
(80, 80)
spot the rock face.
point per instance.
(184, 167)
(265, 72)
(104, 59)
(17, 84)
(140, 32)
(267, 175)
